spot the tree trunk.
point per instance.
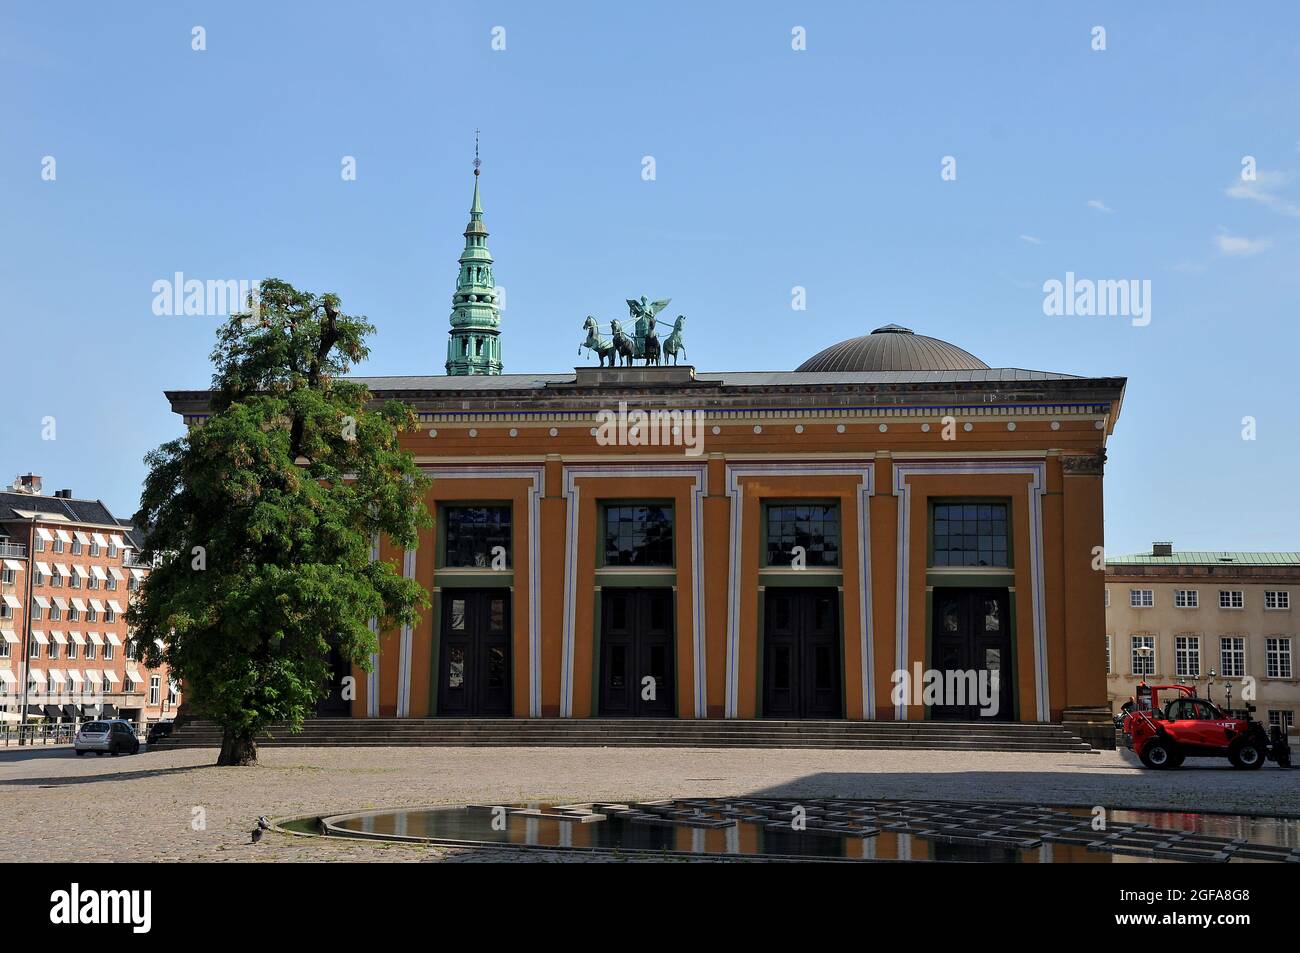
(239, 750)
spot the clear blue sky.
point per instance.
(775, 168)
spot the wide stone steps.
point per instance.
(668, 733)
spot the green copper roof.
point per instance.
(1207, 559)
(474, 344)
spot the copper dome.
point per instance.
(892, 348)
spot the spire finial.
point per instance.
(477, 163)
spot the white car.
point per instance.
(112, 736)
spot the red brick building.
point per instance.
(67, 571)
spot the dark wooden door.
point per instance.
(972, 634)
(636, 653)
(474, 653)
(334, 705)
(801, 654)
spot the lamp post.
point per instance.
(1209, 685)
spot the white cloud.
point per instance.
(1239, 246)
(1099, 205)
(1264, 190)
(1031, 239)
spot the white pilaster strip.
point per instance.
(372, 677)
(866, 476)
(699, 490)
(1037, 473)
(404, 648)
(536, 475)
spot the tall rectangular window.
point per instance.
(1277, 655)
(1187, 655)
(638, 535)
(806, 533)
(970, 534)
(477, 537)
(155, 689)
(1143, 654)
(1232, 656)
(1109, 663)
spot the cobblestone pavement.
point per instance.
(57, 807)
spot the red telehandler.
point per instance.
(1195, 727)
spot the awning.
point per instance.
(44, 569)
(13, 564)
(61, 603)
(97, 605)
(56, 675)
(138, 573)
(75, 676)
(53, 711)
(63, 569)
(82, 538)
(98, 572)
(117, 541)
(58, 637)
(82, 571)
(45, 534)
(63, 535)
(114, 606)
(79, 604)
(39, 636)
(134, 675)
(109, 711)
(78, 638)
(9, 635)
(96, 638)
(41, 601)
(69, 711)
(111, 676)
(94, 677)
(99, 538)
(113, 639)
(117, 573)
(8, 677)
(12, 602)
(35, 675)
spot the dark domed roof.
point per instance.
(893, 348)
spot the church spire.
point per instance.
(475, 343)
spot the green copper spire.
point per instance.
(475, 343)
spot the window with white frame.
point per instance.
(34, 649)
(1109, 663)
(56, 580)
(6, 611)
(1283, 718)
(128, 686)
(1141, 598)
(76, 547)
(74, 614)
(1231, 599)
(40, 544)
(109, 614)
(56, 614)
(110, 583)
(1107, 597)
(72, 650)
(92, 614)
(1187, 656)
(1232, 656)
(38, 577)
(1186, 599)
(58, 545)
(155, 689)
(130, 650)
(1277, 657)
(108, 684)
(94, 548)
(8, 576)
(90, 651)
(53, 651)
(108, 651)
(36, 610)
(1143, 654)
(4, 648)
(1277, 599)
(172, 694)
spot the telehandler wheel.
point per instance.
(1158, 754)
(1247, 755)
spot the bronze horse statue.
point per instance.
(674, 344)
(603, 346)
(623, 344)
(651, 351)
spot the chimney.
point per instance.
(1162, 549)
(28, 483)
(63, 494)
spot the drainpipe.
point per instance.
(27, 627)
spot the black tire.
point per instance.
(99, 754)
(1247, 756)
(1158, 754)
(80, 753)
(1176, 760)
(113, 750)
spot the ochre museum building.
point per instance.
(772, 544)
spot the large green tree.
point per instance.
(261, 521)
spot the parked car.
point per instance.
(159, 729)
(111, 736)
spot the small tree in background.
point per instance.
(261, 520)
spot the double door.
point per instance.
(636, 653)
(801, 654)
(474, 653)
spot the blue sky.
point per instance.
(774, 168)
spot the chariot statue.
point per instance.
(643, 343)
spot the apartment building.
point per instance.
(1225, 622)
(68, 568)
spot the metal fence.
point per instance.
(12, 735)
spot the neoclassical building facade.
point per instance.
(665, 542)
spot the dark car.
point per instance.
(159, 729)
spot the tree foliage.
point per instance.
(261, 521)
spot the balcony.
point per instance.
(13, 549)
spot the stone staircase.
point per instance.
(650, 733)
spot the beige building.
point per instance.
(1217, 621)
